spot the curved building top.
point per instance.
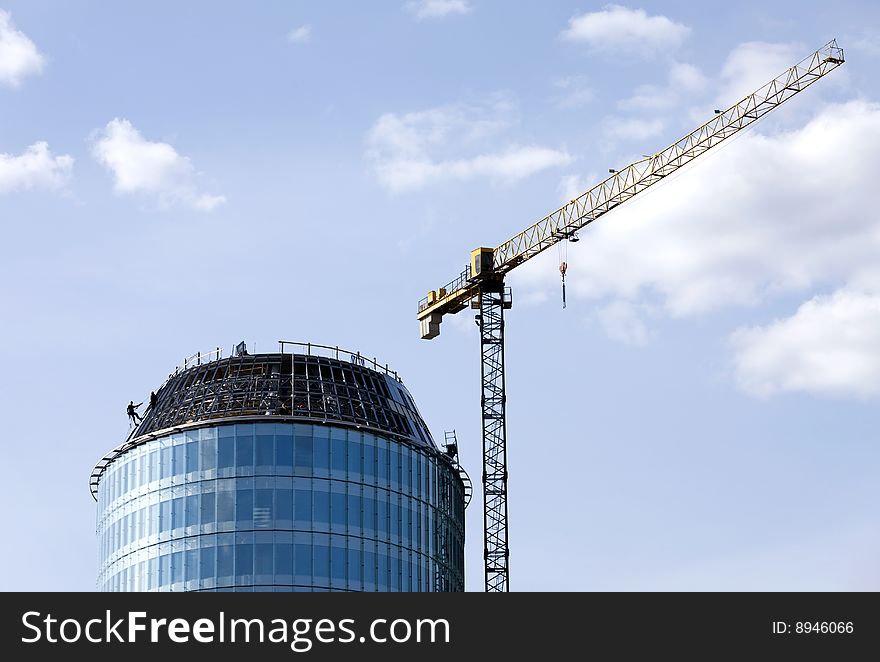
(301, 382)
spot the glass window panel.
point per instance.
(383, 567)
(192, 510)
(405, 469)
(354, 512)
(244, 560)
(322, 505)
(177, 567)
(303, 506)
(265, 445)
(283, 559)
(303, 560)
(369, 504)
(263, 428)
(395, 468)
(382, 514)
(264, 559)
(192, 456)
(177, 513)
(165, 569)
(225, 452)
(165, 460)
(403, 526)
(153, 520)
(337, 510)
(283, 506)
(284, 450)
(208, 450)
(206, 564)
(244, 508)
(338, 457)
(263, 509)
(154, 465)
(303, 455)
(395, 569)
(321, 456)
(322, 561)
(244, 451)
(179, 465)
(153, 580)
(209, 514)
(382, 463)
(370, 567)
(225, 506)
(225, 555)
(192, 564)
(337, 563)
(369, 459)
(354, 455)
(165, 516)
(354, 568)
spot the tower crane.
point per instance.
(481, 283)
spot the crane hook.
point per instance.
(563, 267)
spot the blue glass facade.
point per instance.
(280, 506)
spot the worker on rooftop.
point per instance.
(131, 410)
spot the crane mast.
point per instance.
(481, 283)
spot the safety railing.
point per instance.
(338, 353)
(463, 279)
(200, 358)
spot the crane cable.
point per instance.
(562, 245)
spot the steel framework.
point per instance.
(324, 385)
(481, 282)
(495, 551)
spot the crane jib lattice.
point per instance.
(481, 283)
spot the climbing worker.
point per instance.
(154, 399)
(131, 410)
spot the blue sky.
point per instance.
(703, 415)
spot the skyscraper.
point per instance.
(309, 469)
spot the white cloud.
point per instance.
(574, 92)
(632, 128)
(687, 77)
(621, 29)
(868, 43)
(831, 345)
(425, 9)
(412, 150)
(300, 35)
(649, 98)
(19, 56)
(622, 322)
(140, 166)
(684, 79)
(35, 168)
(571, 186)
(753, 64)
(764, 216)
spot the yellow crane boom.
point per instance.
(621, 186)
(481, 283)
